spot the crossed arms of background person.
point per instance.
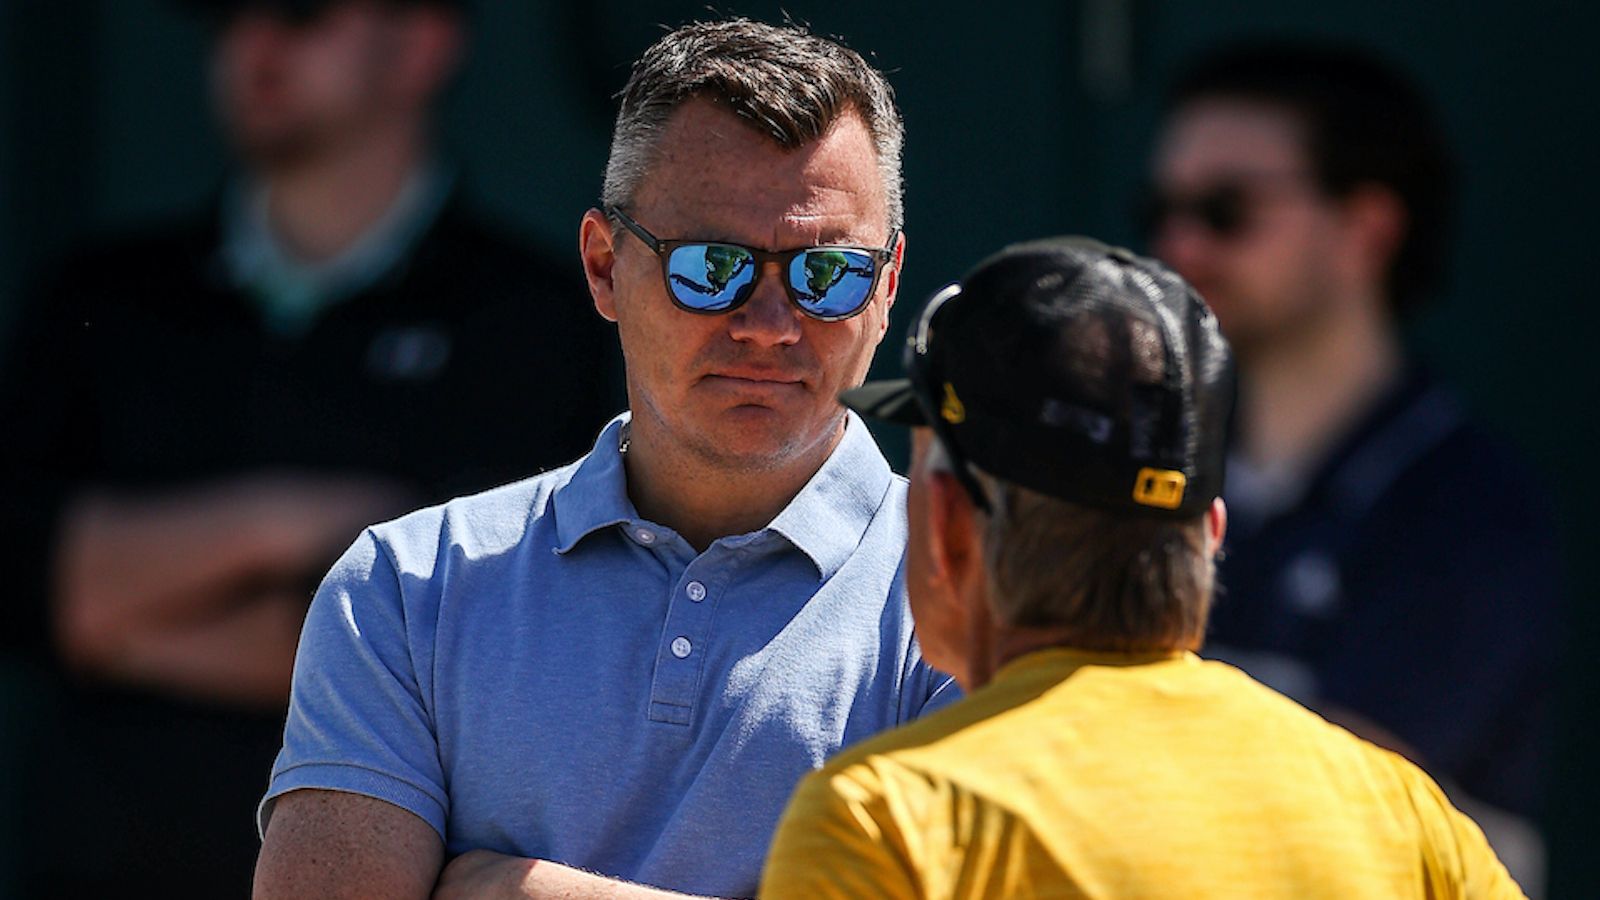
(201, 591)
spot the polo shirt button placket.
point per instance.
(674, 691)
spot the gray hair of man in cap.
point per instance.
(1087, 578)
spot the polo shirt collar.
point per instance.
(826, 521)
(596, 496)
(829, 517)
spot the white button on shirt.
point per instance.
(681, 648)
(645, 536)
(696, 591)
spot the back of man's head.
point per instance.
(784, 81)
(1082, 394)
(1364, 123)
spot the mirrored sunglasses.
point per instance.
(829, 283)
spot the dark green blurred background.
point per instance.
(1023, 119)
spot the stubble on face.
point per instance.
(755, 389)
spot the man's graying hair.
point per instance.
(1114, 583)
(786, 82)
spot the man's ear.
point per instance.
(597, 247)
(893, 275)
(957, 551)
(434, 42)
(1378, 223)
(889, 283)
(1216, 526)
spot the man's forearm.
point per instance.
(182, 564)
(167, 559)
(480, 874)
(331, 844)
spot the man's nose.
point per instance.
(768, 317)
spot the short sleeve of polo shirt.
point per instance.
(359, 716)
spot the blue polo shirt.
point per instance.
(536, 670)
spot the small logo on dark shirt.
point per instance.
(408, 354)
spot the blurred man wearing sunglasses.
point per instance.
(607, 679)
(1388, 563)
(202, 416)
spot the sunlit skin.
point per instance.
(947, 628)
(1275, 278)
(750, 395)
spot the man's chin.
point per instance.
(758, 438)
(275, 150)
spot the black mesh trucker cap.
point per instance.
(1076, 369)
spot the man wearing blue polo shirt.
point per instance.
(610, 677)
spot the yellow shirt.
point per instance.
(1095, 775)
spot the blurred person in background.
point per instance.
(1070, 405)
(1388, 563)
(200, 417)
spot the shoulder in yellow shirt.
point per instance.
(1096, 775)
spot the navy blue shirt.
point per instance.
(1414, 580)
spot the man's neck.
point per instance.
(1004, 644)
(1008, 644)
(1299, 396)
(320, 207)
(703, 500)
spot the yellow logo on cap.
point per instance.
(1162, 488)
(953, 410)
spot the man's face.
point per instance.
(1269, 275)
(757, 387)
(289, 89)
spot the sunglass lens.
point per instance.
(710, 277)
(831, 282)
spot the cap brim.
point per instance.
(889, 401)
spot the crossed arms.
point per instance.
(340, 845)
